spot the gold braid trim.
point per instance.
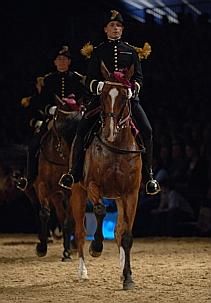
(87, 50)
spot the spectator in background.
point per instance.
(196, 177)
(172, 210)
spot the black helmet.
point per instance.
(113, 16)
(63, 50)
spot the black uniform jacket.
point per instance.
(116, 55)
(60, 84)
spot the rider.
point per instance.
(61, 83)
(116, 55)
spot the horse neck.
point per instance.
(53, 142)
(125, 137)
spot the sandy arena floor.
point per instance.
(164, 270)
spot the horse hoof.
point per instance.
(66, 256)
(127, 285)
(50, 240)
(57, 234)
(41, 250)
(66, 259)
(95, 250)
(83, 277)
(93, 253)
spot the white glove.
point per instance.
(38, 124)
(136, 90)
(130, 93)
(52, 110)
(100, 87)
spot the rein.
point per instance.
(120, 150)
(55, 130)
(121, 123)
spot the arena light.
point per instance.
(166, 8)
(191, 6)
(136, 9)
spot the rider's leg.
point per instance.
(22, 182)
(78, 153)
(143, 124)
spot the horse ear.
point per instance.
(105, 72)
(130, 72)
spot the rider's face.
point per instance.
(62, 63)
(114, 30)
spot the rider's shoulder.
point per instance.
(88, 49)
(47, 76)
(143, 52)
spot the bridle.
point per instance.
(122, 122)
(59, 145)
(124, 119)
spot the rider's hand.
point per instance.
(136, 90)
(50, 110)
(100, 87)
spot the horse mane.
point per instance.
(122, 76)
(119, 76)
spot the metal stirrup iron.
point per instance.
(66, 181)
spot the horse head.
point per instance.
(67, 115)
(115, 101)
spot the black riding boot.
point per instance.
(22, 182)
(76, 171)
(152, 185)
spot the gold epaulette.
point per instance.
(39, 83)
(87, 50)
(25, 102)
(143, 53)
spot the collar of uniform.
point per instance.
(63, 73)
(114, 40)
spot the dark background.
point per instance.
(176, 75)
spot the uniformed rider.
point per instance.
(63, 82)
(117, 55)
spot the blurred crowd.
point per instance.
(176, 97)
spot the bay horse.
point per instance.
(53, 160)
(112, 169)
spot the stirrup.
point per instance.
(152, 187)
(66, 181)
(22, 183)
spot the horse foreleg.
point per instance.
(126, 214)
(41, 247)
(96, 246)
(60, 202)
(77, 209)
(126, 244)
(67, 232)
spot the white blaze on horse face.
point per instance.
(113, 94)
